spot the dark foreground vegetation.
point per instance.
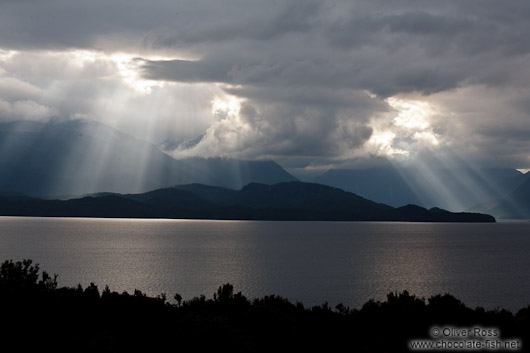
(37, 315)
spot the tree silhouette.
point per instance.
(35, 311)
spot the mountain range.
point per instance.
(456, 188)
(82, 157)
(515, 205)
(65, 160)
(283, 201)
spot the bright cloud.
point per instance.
(87, 84)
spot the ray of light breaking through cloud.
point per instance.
(307, 83)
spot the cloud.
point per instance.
(25, 109)
(13, 88)
(186, 71)
(303, 131)
(487, 125)
(420, 48)
(314, 80)
(39, 85)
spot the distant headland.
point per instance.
(286, 201)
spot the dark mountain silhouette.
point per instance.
(283, 201)
(515, 205)
(510, 184)
(452, 188)
(214, 194)
(385, 185)
(82, 157)
(235, 173)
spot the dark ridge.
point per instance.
(211, 193)
(294, 201)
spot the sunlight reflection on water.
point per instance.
(481, 264)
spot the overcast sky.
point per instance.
(310, 84)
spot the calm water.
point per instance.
(348, 262)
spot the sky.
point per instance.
(310, 84)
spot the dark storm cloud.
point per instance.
(252, 22)
(187, 71)
(52, 24)
(359, 29)
(385, 47)
(386, 53)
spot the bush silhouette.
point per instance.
(35, 312)
(23, 275)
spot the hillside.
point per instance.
(80, 157)
(515, 205)
(283, 201)
(427, 185)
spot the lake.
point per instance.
(339, 262)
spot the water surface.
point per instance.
(312, 262)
